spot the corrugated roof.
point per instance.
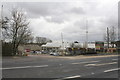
(67, 44)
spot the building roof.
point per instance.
(67, 44)
(53, 44)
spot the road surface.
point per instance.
(60, 68)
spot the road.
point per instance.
(45, 66)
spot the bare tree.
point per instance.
(19, 32)
(4, 22)
(4, 25)
(111, 36)
(42, 40)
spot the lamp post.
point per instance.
(1, 23)
(62, 43)
(86, 43)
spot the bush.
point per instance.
(6, 49)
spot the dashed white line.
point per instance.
(85, 62)
(70, 77)
(90, 65)
(92, 73)
(77, 76)
(101, 64)
(114, 59)
(24, 67)
(60, 64)
(111, 70)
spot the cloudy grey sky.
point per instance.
(50, 19)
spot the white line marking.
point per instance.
(114, 59)
(90, 65)
(101, 64)
(77, 76)
(24, 67)
(111, 70)
(72, 77)
(85, 62)
(92, 73)
(60, 64)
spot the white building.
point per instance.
(60, 45)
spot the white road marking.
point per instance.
(24, 67)
(92, 73)
(101, 64)
(85, 62)
(72, 77)
(111, 70)
(60, 64)
(90, 65)
(114, 59)
(77, 76)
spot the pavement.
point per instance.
(61, 67)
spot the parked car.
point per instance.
(38, 52)
(54, 53)
(45, 52)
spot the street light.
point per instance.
(1, 23)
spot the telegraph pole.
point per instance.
(62, 42)
(86, 34)
(108, 37)
(1, 23)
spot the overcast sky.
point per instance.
(50, 19)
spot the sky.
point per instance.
(71, 18)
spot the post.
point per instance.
(119, 21)
(86, 35)
(62, 43)
(108, 37)
(1, 23)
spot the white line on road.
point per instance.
(85, 62)
(60, 64)
(114, 59)
(24, 67)
(77, 76)
(101, 64)
(92, 73)
(111, 70)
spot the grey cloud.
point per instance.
(78, 10)
(39, 8)
(80, 24)
(83, 24)
(111, 21)
(55, 10)
(57, 19)
(61, 11)
(43, 8)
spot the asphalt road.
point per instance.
(45, 66)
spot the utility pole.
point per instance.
(62, 42)
(86, 35)
(108, 39)
(1, 23)
(113, 37)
